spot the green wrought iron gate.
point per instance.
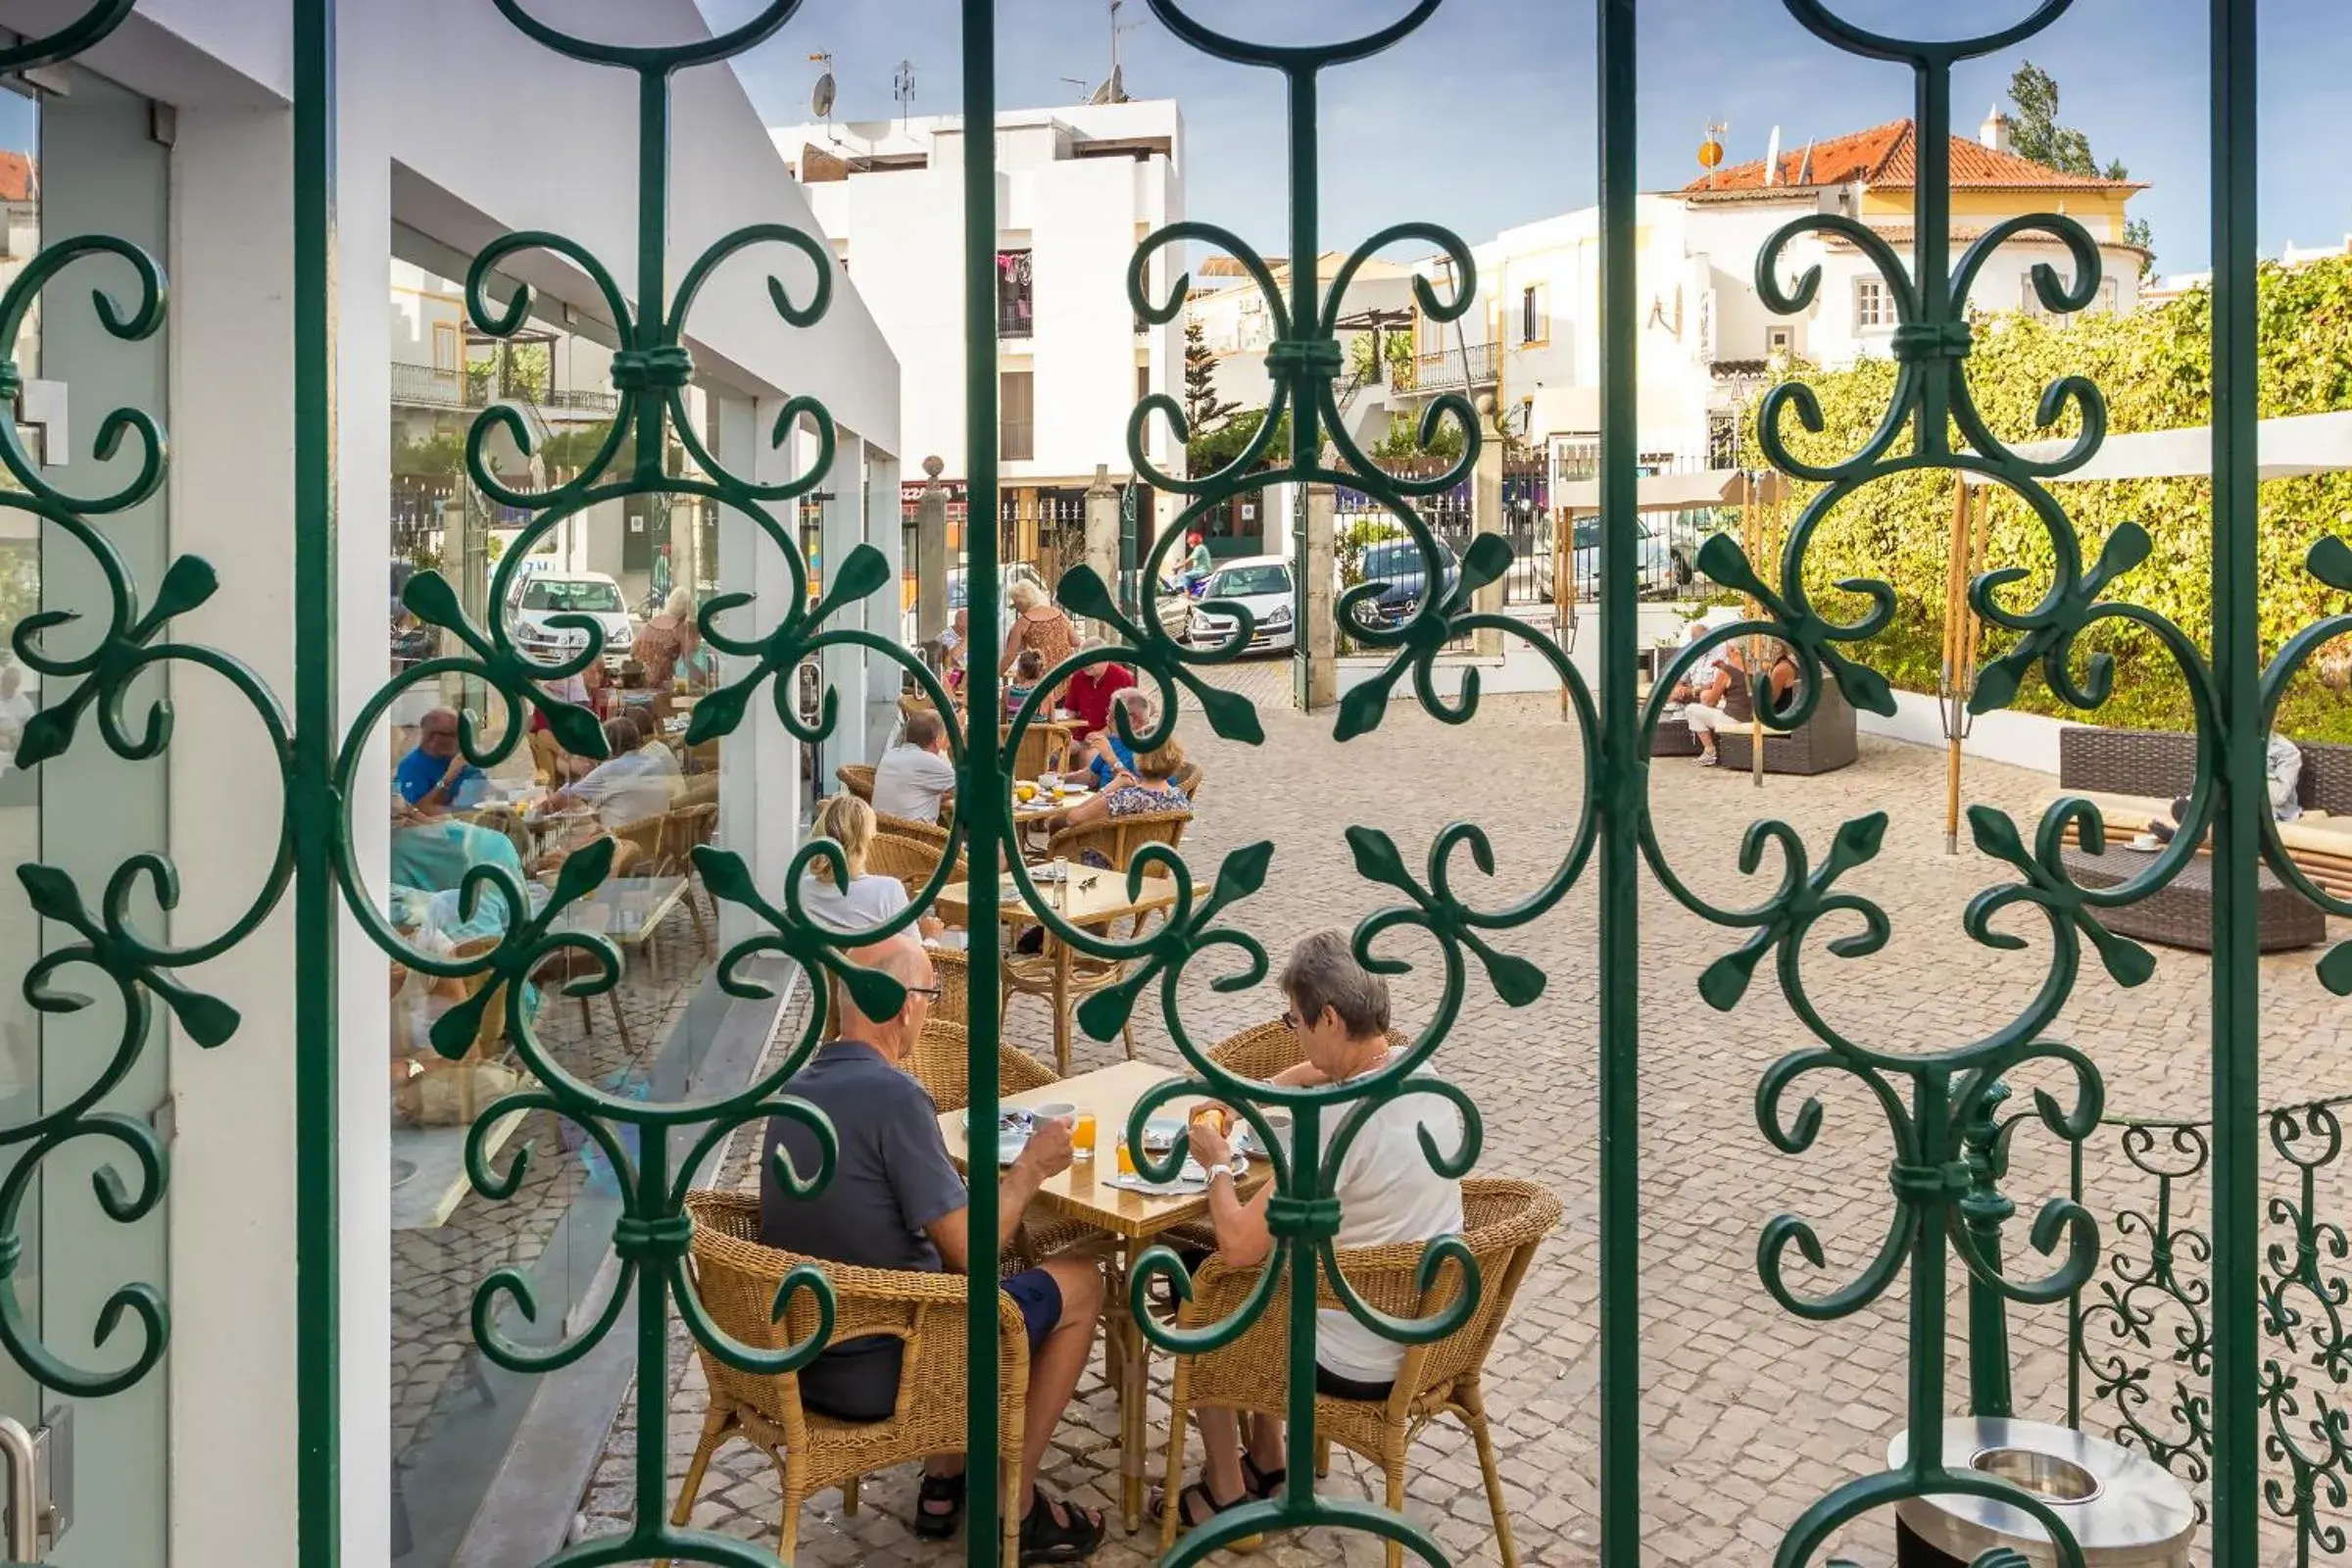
(1930, 1101)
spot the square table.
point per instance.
(1133, 1221)
(1095, 895)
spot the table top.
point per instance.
(1082, 1193)
(1044, 806)
(1093, 897)
(626, 909)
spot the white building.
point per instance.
(451, 128)
(1079, 187)
(1707, 340)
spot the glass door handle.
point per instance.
(24, 1508)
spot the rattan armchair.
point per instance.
(1503, 1223)
(907, 827)
(1044, 747)
(737, 1279)
(910, 861)
(1116, 838)
(942, 1063)
(1188, 778)
(858, 779)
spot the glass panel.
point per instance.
(82, 164)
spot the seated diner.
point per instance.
(867, 900)
(897, 1202)
(1385, 1190)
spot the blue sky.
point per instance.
(1484, 117)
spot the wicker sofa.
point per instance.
(2133, 776)
(1822, 744)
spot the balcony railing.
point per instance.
(440, 388)
(1440, 369)
(437, 387)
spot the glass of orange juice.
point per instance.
(1082, 1136)
(1126, 1158)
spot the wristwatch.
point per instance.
(1219, 1169)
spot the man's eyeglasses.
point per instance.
(934, 993)
(1291, 1016)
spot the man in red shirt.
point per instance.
(1089, 696)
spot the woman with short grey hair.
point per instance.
(1385, 1188)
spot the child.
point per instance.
(1027, 672)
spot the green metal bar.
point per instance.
(1932, 1114)
(318, 1328)
(1985, 1208)
(982, 797)
(1623, 780)
(653, 256)
(2237, 830)
(1306, 437)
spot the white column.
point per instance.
(845, 667)
(884, 612)
(760, 765)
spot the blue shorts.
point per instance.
(1039, 1297)
(858, 1381)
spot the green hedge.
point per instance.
(2153, 367)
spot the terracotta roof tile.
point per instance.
(18, 180)
(1887, 156)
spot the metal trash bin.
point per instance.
(2126, 1510)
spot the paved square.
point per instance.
(1750, 1414)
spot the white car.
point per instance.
(1259, 584)
(541, 596)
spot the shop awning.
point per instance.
(2290, 446)
(1675, 492)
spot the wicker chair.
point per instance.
(858, 779)
(737, 1280)
(1044, 747)
(942, 1064)
(1188, 778)
(907, 827)
(955, 972)
(1117, 839)
(1503, 1223)
(912, 860)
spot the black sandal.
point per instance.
(1262, 1483)
(1047, 1538)
(929, 1523)
(1208, 1502)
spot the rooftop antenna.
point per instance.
(1079, 82)
(902, 87)
(1710, 149)
(820, 100)
(1115, 91)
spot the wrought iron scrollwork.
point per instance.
(96, 680)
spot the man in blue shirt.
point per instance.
(1111, 755)
(435, 778)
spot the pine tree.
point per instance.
(2036, 135)
(1203, 409)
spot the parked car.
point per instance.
(1400, 565)
(1259, 584)
(541, 596)
(1667, 563)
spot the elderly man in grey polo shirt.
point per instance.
(896, 1202)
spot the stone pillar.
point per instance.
(1322, 627)
(761, 803)
(931, 555)
(1102, 528)
(843, 530)
(1485, 516)
(886, 610)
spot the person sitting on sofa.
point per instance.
(2282, 766)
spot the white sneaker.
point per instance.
(1710, 759)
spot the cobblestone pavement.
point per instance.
(1750, 1414)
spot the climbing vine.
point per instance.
(2155, 367)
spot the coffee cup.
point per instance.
(1055, 1111)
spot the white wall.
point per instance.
(442, 103)
(901, 235)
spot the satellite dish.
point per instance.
(820, 102)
